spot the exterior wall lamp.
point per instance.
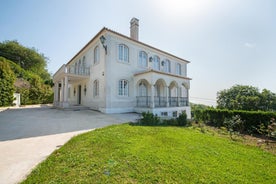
(85, 90)
(103, 39)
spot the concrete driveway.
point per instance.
(29, 135)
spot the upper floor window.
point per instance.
(156, 63)
(79, 67)
(178, 69)
(96, 54)
(96, 88)
(123, 53)
(76, 68)
(167, 65)
(123, 88)
(143, 59)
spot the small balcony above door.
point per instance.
(83, 71)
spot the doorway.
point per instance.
(79, 94)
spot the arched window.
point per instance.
(167, 66)
(123, 53)
(156, 63)
(143, 89)
(76, 68)
(143, 59)
(79, 67)
(123, 88)
(178, 69)
(83, 65)
(96, 88)
(96, 54)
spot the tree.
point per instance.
(7, 79)
(28, 59)
(268, 100)
(239, 97)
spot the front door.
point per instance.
(79, 94)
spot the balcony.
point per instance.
(83, 71)
(145, 101)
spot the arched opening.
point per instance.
(143, 98)
(160, 93)
(173, 94)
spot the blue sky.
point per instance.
(227, 41)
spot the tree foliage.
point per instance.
(7, 79)
(242, 97)
(35, 91)
(27, 58)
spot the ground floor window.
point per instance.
(96, 88)
(123, 88)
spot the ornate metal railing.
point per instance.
(160, 101)
(173, 101)
(183, 101)
(84, 71)
(143, 101)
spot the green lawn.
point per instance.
(141, 154)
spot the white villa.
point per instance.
(114, 73)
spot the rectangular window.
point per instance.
(178, 69)
(174, 114)
(164, 113)
(96, 55)
(96, 88)
(123, 88)
(123, 53)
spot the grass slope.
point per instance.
(136, 154)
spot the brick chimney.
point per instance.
(134, 28)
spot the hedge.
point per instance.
(252, 119)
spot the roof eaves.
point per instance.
(154, 48)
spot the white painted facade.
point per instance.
(120, 74)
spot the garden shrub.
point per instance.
(182, 119)
(251, 119)
(7, 79)
(149, 119)
(153, 120)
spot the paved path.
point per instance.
(28, 136)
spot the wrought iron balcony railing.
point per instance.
(84, 71)
(145, 101)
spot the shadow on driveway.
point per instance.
(33, 122)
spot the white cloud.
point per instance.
(250, 45)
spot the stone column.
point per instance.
(56, 94)
(65, 94)
(167, 96)
(62, 91)
(178, 96)
(66, 89)
(152, 97)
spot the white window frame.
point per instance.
(167, 66)
(123, 53)
(123, 88)
(156, 62)
(143, 59)
(83, 64)
(96, 54)
(178, 69)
